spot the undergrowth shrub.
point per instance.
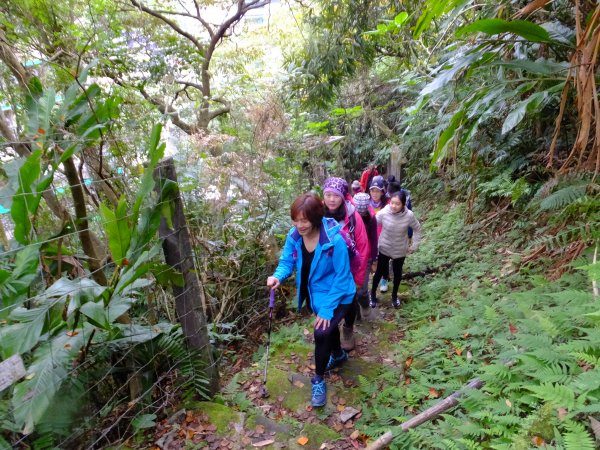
(534, 343)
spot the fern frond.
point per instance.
(587, 381)
(577, 437)
(556, 394)
(563, 197)
(579, 231)
(592, 360)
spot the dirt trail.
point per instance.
(286, 420)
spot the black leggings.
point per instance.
(327, 341)
(383, 262)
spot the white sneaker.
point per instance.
(383, 285)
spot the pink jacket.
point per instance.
(362, 243)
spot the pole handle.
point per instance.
(272, 299)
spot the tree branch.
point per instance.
(190, 84)
(172, 24)
(7, 55)
(168, 110)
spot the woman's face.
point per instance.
(302, 224)
(396, 205)
(375, 194)
(332, 201)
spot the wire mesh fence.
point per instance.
(101, 359)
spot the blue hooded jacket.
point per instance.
(330, 282)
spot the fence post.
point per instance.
(177, 248)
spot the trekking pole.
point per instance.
(263, 391)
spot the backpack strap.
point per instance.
(351, 229)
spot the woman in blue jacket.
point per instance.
(315, 248)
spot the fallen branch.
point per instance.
(427, 415)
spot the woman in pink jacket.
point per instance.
(338, 205)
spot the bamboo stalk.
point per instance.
(427, 415)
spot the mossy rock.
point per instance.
(219, 415)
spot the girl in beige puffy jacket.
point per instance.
(395, 219)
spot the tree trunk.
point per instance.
(81, 222)
(177, 247)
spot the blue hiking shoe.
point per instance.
(373, 301)
(336, 361)
(319, 392)
(383, 285)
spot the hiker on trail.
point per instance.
(395, 218)
(367, 177)
(395, 186)
(317, 251)
(339, 207)
(356, 187)
(378, 202)
(362, 201)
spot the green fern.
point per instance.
(190, 363)
(556, 394)
(577, 437)
(563, 197)
(592, 360)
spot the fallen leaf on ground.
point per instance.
(434, 393)
(263, 443)
(409, 361)
(355, 435)
(260, 429)
(562, 413)
(458, 351)
(299, 384)
(512, 328)
(538, 441)
(302, 440)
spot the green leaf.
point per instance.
(16, 283)
(540, 66)
(22, 208)
(401, 18)
(20, 337)
(155, 152)
(523, 28)
(445, 137)
(118, 229)
(96, 314)
(50, 367)
(144, 421)
(531, 104)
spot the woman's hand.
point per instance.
(321, 323)
(273, 282)
(374, 267)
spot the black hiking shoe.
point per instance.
(372, 301)
(395, 302)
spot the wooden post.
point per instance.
(11, 371)
(177, 247)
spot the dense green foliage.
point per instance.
(534, 343)
(487, 107)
